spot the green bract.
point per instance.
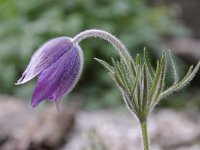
(143, 87)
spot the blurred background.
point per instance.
(154, 24)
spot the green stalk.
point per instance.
(145, 140)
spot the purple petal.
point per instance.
(59, 78)
(46, 55)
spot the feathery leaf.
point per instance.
(105, 64)
(174, 67)
(147, 61)
(188, 77)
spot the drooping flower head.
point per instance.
(58, 64)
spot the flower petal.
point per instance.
(47, 54)
(59, 78)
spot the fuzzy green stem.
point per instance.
(145, 139)
(115, 42)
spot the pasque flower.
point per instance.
(59, 62)
(58, 65)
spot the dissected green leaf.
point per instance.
(147, 62)
(145, 88)
(131, 105)
(136, 79)
(153, 86)
(105, 64)
(188, 77)
(119, 83)
(158, 82)
(125, 72)
(114, 72)
(174, 67)
(133, 68)
(121, 73)
(130, 72)
(141, 87)
(138, 59)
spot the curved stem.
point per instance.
(123, 52)
(145, 139)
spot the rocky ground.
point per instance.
(23, 128)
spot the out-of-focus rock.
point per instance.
(23, 129)
(187, 48)
(168, 129)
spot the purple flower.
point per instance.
(58, 65)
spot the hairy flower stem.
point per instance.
(145, 140)
(119, 46)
